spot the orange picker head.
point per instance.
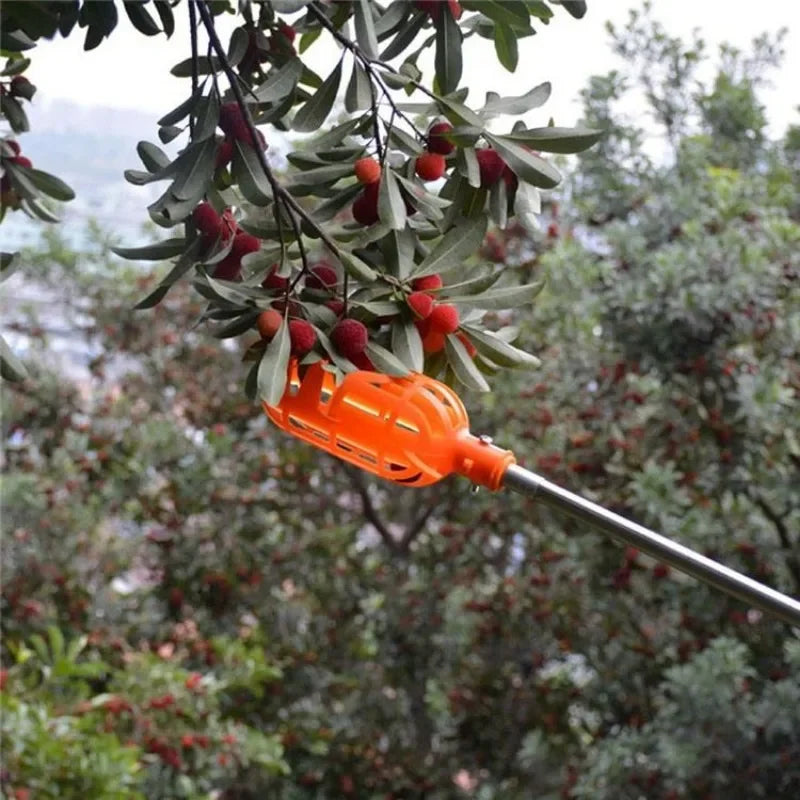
(412, 430)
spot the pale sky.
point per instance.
(132, 71)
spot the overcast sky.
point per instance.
(130, 71)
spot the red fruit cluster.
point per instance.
(234, 125)
(365, 207)
(432, 165)
(442, 320)
(213, 227)
(491, 166)
(434, 8)
(322, 277)
(8, 196)
(275, 281)
(302, 336)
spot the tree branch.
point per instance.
(371, 513)
(792, 562)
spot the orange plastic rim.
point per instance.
(412, 430)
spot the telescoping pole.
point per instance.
(676, 555)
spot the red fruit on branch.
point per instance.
(14, 146)
(491, 166)
(208, 222)
(421, 303)
(437, 143)
(224, 153)
(22, 161)
(444, 318)
(427, 283)
(367, 170)
(433, 342)
(287, 30)
(365, 207)
(323, 276)
(430, 166)
(268, 323)
(244, 243)
(350, 338)
(303, 337)
(275, 281)
(468, 346)
(229, 269)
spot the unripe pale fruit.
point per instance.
(268, 323)
(274, 281)
(427, 283)
(350, 338)
(303, 337)
(430, 166)
(437, 143)
(491, 166)
(207, 220)
(444, 318)
(365, 207)
(421, 303)
(323, 276)
(367, 170)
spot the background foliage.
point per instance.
(196, 606)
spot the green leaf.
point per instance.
(357, 267)
(281, 82)
(15, 66)
(335, 135)
(195, 169)
(166, 133)
(499, 299)
(455, 246)
(152, 156)
(505, 45)
(328, 209)
(558, 140)
(35, 208)
(11, 368)
(524, 164)
(404, 142)
(404, 36)
(509, 14)
(471, 286)
(498, 204)
(391, 208)
(307, 39)
(13, 111)
(182, 110)
(273, 368)
(499, 351)
(187, 260)
(165, 14)
(9, 264)
(365, 28)
(407, 344)
(314, 112)
(359, 90)
(158, 251)
(250, 176)
(521, 104)
(238, 325)
(575, 8)
(463, 366)
(467, 165)
(528, 206)
(447, 61)
(207, 117)
(50, 185)
(238, 45)
(458, 113)
(141, 19)
(385, 361)
(391, 20)
(205, 66)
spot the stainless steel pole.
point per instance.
(651, 543)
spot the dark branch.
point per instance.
(370, 512)
(792, 561)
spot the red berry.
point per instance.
(13, 145)
(491, 166)
(268, 323)
(274, 281)
(553, 231)
(433, 342)
(244, 243)
(437, 143)
(187, 740)
(208, 222)
(427, 283)
(367, 170)
(287, 30)
(337, 306)
(22, 161)
(350, 338)
(421, 303)
(230, 268)
(230, 116)
(224, 153)
(303, 337)
(322, 276)
(444, 318)
(431, 166)
(510, 179)
(362, 361)
(365, 207)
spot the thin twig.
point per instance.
(370, 512)
(193, 37)
(783, 534)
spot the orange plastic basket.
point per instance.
(412, 430)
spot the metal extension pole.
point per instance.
(676, 555)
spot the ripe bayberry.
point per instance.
(350, 338)
(229, 269)
(491, 166)
(430, 166)
(323, 276)
(437, 143)
(224, 153)
(427, 283)
(207, 220)
(444, 318)
(365, 207)
(303, 337)
(268, 323)
(275, 281)
(421, 303)
(244, 243)
(367, 170)
(22, 161)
